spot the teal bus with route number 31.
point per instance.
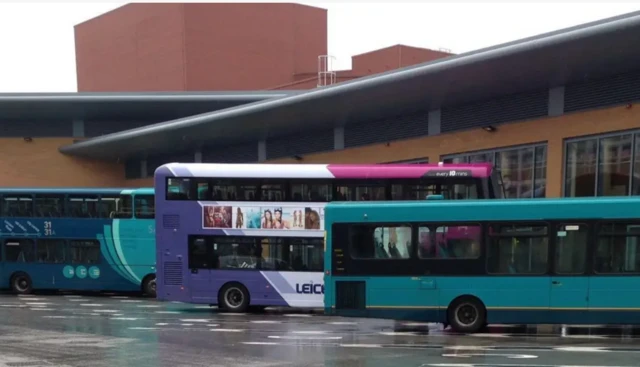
(469, 263)
(77, 239)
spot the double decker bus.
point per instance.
(242, 235)
(470, 263)
(77, 239)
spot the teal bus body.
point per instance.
(588, 276)
(77, 239)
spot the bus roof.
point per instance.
(328, 171)
(483, 210)
(76, 190)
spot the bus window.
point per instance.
(49, 206)
(179, 189)
(84, 251)
(83, 206)
(518, 249)
(18, 250)
(449, 242)
(571, 248)
(308, 191)
(116, 207)
(50, 251)
(617, 249)
(353, 191)
(144, 206)
(272, 190)
(17, 206)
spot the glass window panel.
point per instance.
(618, 253)
(540, 174)
(451, 242)
(518, 253)
(580, 168)
(516, 166)
(571, 248)
(456, 160)
(615, 165)
(381, 242)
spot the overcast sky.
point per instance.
(37, 46)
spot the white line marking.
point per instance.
(310, 332)
(466, 347)
(213, 325)
(168, 312)
(343, 323)
(260, 343)
(94, 314)
(417, 324)
(361, 345)
(42, 309)
(58, 317)
(78, 300)
(162, 324)
(125, 318)
(228, 330)
(581, 349)
(106, 311)
(186, 324)
(200, 307)
(143, 328)
(195, 320)
(232, 314)
(31, 299)
(398, 333)
(265, 322)
(37, 303)
(296, 315)
(489, 335)
(303, 337)
(130, 300)
(148, 306)
(91, 305)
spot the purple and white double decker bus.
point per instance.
(244, 236)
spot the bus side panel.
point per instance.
(614, 299)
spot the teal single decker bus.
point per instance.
(469, 263)
(77, 239)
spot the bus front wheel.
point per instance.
(467, 315)
(21, 283)
(234, 297)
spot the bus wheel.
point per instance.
(149, 286)
(467, 315)
(234, 297)
(21, 283)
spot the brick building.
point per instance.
(556, 112)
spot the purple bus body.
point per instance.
(176, 220)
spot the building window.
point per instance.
(410, 161)
(602, 166)
(523, 168)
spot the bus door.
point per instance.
(201, 261)
(569, 285)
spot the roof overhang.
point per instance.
(130, 106)
(571, 55)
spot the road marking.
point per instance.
(168, 312)
(91, 305)
(195, 320)
(397, 333)
(304, 337)
(265, 322)
(343, 323)
(42, 309)
(162, 324)
(105, 311)
(198, 307)
(58, 317)
(581, 349)
(125, 318)
(232, 314)
(296, 315)
(260, 343)
(490, 335)
(361, 345)
(228, 330)
(186, 324)
(78, 300)
(131, 300)
(310, 332)
(213, 325)
(143, 328)
(148, 306)
(509, 356)
(417, 324)
(38, 303)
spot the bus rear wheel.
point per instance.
(149, 286)
(233, 297)
(21, 283)
(467, 315)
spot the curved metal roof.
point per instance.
(105, 106)
(570, 55)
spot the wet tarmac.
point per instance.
(83, 331)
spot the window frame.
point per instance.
(550, 245)
(595, 240)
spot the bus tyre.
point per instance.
(467, 315)
(21, 283)
(234, 297)
(149, 286)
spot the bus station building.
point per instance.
(556, 113)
